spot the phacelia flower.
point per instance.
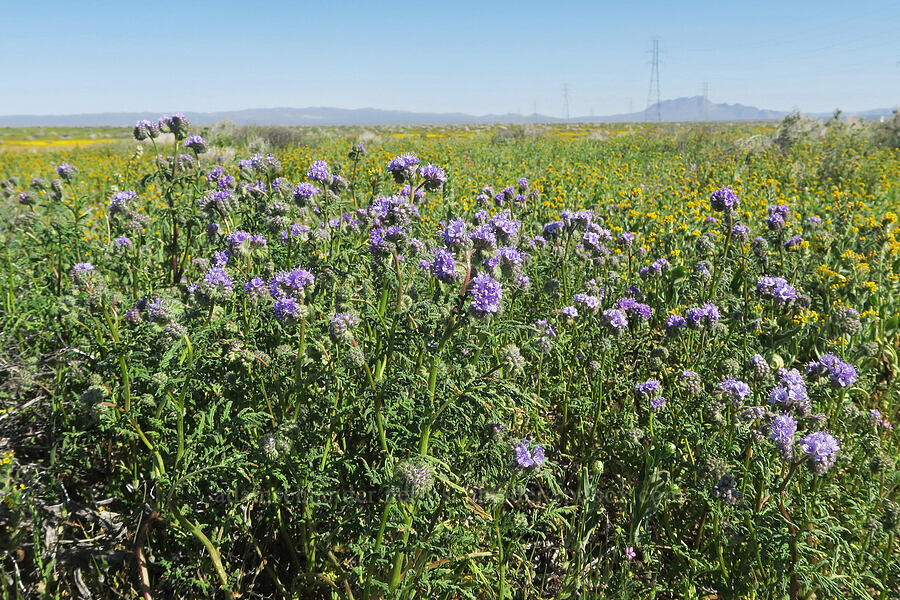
(726, 490)
(486, 295)
(552, 229)
(82, 268)
(342, 324)
(626, 240)
(217, 283)
(840, 373)
(737, 390)
(793, 242)
(703, 316)
(647, 388)
(820, 449)
(525, 458)
(415, 479)
(674, 325)
(443, 266)
(175, 124)
(740, 233)
(119, 202)
(304, 193)
(724, 200)
(433, 177)
(122, 243)
(287, 307)
(615, 319)
(587, 302)
(255, 287)
(319, 172)
(790, 392)
(294, 283)
(402, 167)
(66, 172)
(782, 429)
(455, 234)
(570, 313)
(636, 309)
(196, 143)
(145, 129)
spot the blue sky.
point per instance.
(475, 57)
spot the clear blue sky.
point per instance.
(475, 57)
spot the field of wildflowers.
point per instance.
(652, 361)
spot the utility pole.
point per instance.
(566, 100)
(654, 84)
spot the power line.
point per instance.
(654, 84)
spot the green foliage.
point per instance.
(172, 436)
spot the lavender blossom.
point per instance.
(486, 295)
(820, 449)
(724, 200)
(525, 459)
(737, 390)
(319, 172)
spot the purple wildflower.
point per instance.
(217, 282)
(736, 389)
(588, 302)
(840, 373)
(433, 177)
(724, 200)
(123, 243)
(793, 242)
(294, 283)
(635, 308)
(119, 202)
(525, 459)
(703, 316)
(674, 325)
(66, 172)
(821, 450)
(615, 319)
(304, 192)
(287, 307)
(454, 235)
(570, 313)
(790, 391)
(144, 129)
(403, 167)
(443, 267)
(783, 428)
(319, 171)
(647, 388)
(486, 295)
(196, 143)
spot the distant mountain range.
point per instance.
(678, 110)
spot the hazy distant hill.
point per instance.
(679, 109)
(696, 109)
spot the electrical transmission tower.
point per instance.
(566, 100)
(654, 84)
(705, 107)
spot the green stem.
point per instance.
(210, 547)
